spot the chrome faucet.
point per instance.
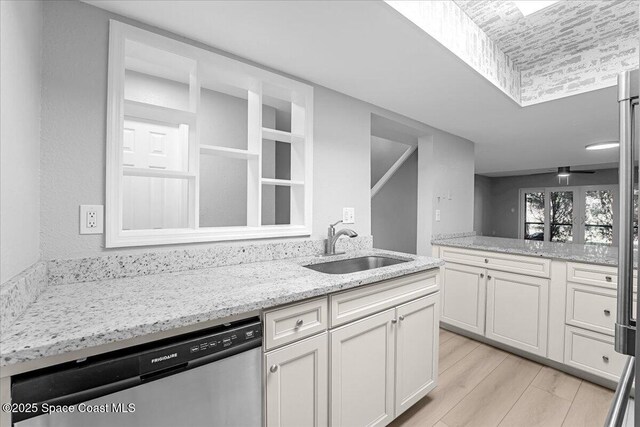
(332, 238)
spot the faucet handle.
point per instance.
(334, 224)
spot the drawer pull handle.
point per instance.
(607, 313)
(607, 278)
(299, 323)
(482, 275)
(605, 359)
(401, 318)
(486, 261)
(394, 321)
(273, 369)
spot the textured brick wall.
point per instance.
(569, 48)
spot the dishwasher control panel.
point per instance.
(179, 354)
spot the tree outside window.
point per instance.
(598, 217)
(561, 216)
(534, 216)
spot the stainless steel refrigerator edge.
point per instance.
(625, 330)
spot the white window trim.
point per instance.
(239, 74)
(578, 214)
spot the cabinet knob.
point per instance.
(482, 275)
(489, 277)
(273, 369)
(394, 321)
(608, 278)
(605, 359)
(299, 323)
(401, 318)
(607, 312)
(486, 260)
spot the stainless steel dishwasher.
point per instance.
(208, 378)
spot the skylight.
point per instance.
(527, 7)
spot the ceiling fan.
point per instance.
(565, 171)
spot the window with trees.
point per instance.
(582, 214)
(534, 215)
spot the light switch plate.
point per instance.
(91, 219)
(348, 215)
(437, 214)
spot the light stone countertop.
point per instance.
(592, 254)
(71, 317)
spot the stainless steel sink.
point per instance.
(353, 265)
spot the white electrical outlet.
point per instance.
(91, 219)
(348, 215)
(437, 214)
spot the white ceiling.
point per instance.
(369, 51)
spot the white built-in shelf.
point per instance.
(156, 173)
(284, 182)
(282, 136)
(158, 113)
(233, 153)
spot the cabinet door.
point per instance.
(518, 310)
(463, 296)
(297, 377)
(362, 372)
(416, 350)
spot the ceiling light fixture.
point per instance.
(564, 172)
(602, 145)
(528, 7)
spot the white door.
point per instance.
(518, 310)
(416, 350)
(297, 377)
(463, 296)
(150, 203)
(362, 372)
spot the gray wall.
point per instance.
(73, 140)
(499, 202)
(394, 210)
(445, 183)
(20, 74)
(482, 204)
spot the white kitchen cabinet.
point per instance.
(593, 352)
(416, 351)
(362, 371)
(463, 296)
(294, 322)
(296, 384)
(518, 311)
(528, 265)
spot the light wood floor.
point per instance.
(482, 386)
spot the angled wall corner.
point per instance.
(451, 27)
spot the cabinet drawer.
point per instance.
(358, 303)
(595, 275)
(294, 322)
(591, 308)
(593, 352)
(531, 266)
